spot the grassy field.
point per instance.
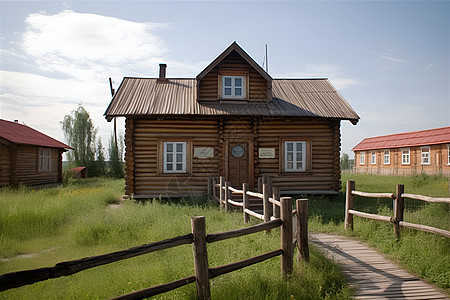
(424, 254)
(39, 228)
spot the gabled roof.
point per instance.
(21, 134)
(406, 139)
(142, 97)
(234, 47)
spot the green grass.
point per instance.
(71, 222)
(424, 254)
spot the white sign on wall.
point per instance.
(266, 152)
(203, 152)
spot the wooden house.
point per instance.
(232, 120)
(28, 156)
(409, 153)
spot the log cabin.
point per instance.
(404, 154)
(232, 120)
(28, 156)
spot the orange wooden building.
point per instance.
(232, 120)
(409, 153)
(28, 156)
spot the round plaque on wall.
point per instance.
(237, 151)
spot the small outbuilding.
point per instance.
(232, 120)
(28, 156)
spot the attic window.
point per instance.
(233, 87)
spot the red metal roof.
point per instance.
(21, 134)
(407, 139)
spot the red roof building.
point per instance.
(28, 156)
(425, 151)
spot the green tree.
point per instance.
(100, 163)
(115, 152)
(344, 162)
(79, 132)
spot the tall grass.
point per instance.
(72, 222)
(424, 254)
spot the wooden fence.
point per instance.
(270, 197)
(198, 238)
(399, 203)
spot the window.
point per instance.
(373, 158)
(174, 157)
(294, 153)
(405, 156)
(44, 160)
(233, 87)
(362, 158)
(387, 157)
(425, 155)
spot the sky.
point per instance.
(388, 59)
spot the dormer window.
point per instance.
(233, 87)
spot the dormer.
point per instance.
(234, 77)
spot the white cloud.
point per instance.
(387, 59)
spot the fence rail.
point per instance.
(397, 219)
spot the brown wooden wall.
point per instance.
(19, 165)
(143, 175)
(438, 162)
(209, 85)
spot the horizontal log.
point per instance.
(426, 228)
(374, 195)
(427, 199)
(217, 271)
(253, 194)
(156, 290)
(240, 204)
(254, 214)
(273, 201)
(371, 216)
(212, 238)
(21, 278)
(235, 190)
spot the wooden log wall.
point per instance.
(146, 169)
(5, 165)
(209, 85)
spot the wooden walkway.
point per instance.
(373, 276)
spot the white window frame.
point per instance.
(373, 158)
(406, 156)
(233, 87)
(425, 155)
(45, 160)
(291, 165)
(362, 158)
(387, 157)
(174, 162)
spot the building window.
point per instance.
(233, 87)
(44, 160)
(174, 157)
(362, 158)
(387, 157)
(425, 155)
(295, 153)
(373, 158)
(405, 156)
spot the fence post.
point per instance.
(287, 257)
(245, 202)
(214, 190)
(221, 182)
(227, 194)
(398, 209)
(266, 204)
(302, 230)
(198, 225)
(349, 202)
(260, 184)
(210, 187)
(276, 196)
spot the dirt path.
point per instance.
(373, 276)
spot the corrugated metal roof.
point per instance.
(21, 134)
(291, 97)
(407, 139)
